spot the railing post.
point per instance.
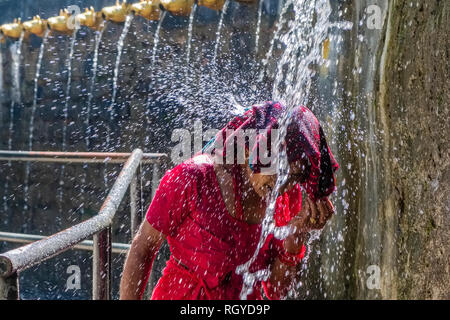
(135, 203)
(101, 284)
(155, 178)
(9, 287)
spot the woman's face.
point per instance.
(263, 184)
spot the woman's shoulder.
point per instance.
(192, 170)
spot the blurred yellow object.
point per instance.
(36, 26)
(212, 4)
(12, 30)
(61, 23)
(91, 19)
(178, 7)
(148, 9)
(117, 13)
(326, 49)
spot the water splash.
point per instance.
(33, 112)
(1, 77)
(258, 26)
(98, 39)
(280, 24)
(66, 114)
(156, 38)
(219, 29)
(120, 43)
(16, 54)
(190, 29)
(303, 43)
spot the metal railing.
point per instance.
(99, 226)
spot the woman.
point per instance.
(211, 213)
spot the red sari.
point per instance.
(206, 242)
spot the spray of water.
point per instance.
(190, 29)
(16, 53)
(33, 112)
(219, 29)
(280, 24)
(66, 113)
(258, 26)
(120, 43)
(293, 79)
(98, 39)
(156, 38)
(1, 77)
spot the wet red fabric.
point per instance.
(206, 242)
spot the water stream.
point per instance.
(111, 110)
(98, 39)
(258, 26)
(33, 113)
(66, 114)
(219, 29)
(16, 55)
(303, 43)
(120, 43)
(189, 41)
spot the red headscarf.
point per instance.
(304, 137)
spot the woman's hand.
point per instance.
(313, 216)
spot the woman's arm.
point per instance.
(139, 261)
(313, 216)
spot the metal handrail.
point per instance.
(87, 245)
(76, 157)
(99, 226)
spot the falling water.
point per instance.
(98, 39)
(219, 29)
(66, 112)
(68, 86)
(156, 38)
(33, 111)
(275, 37)
(303, 48)
(120, 43)
(1, 76)
(154, 51)
(35, 91)
(152, 66)
(190, 29)
(124, 33)
(258, 26)
(16, 54)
